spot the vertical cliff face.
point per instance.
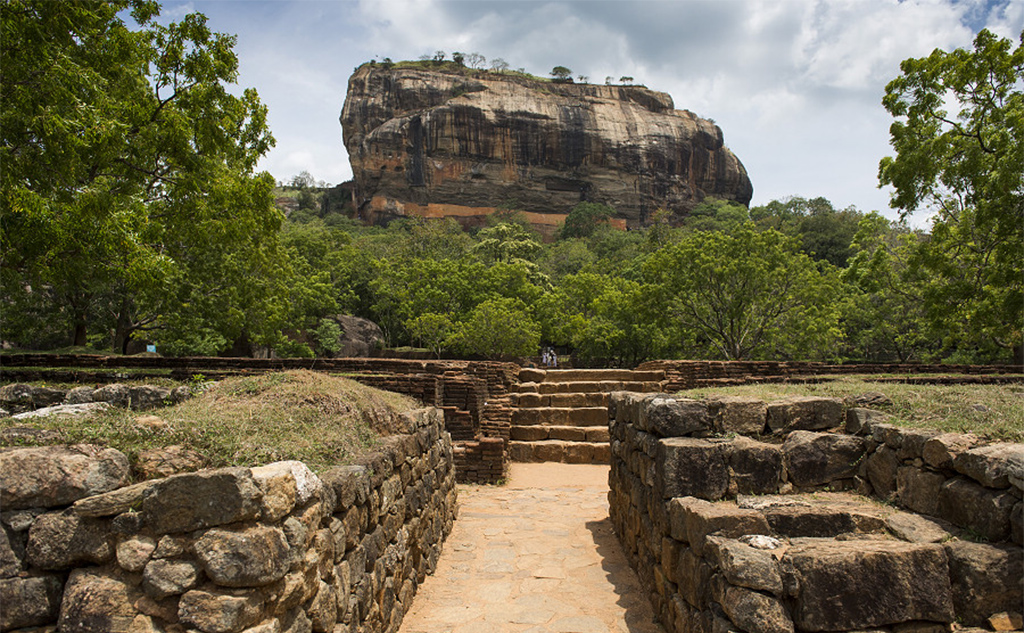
(432, 143)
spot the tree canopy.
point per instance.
(959, 142)
(128, 174)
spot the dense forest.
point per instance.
(151, 224)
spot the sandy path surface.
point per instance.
(537, 555)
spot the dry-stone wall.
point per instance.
(272, 549)
(741, 515)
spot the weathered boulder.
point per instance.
(992, 465)
(941, 450)
(691, 467)
(117, 394)
(248, 557)
(29, 601)
(666, 416)
(60, 540)
(219, 612)
(918, 489)
(755, 468)
(144, 397)
(50, 476)
(164, 577)
(986, 579)
(738, 414)
(814, 459)
(199, 500)
(691, 520)
(425, 142)
(19, 397)
(806, 413)
(745, 566)
(165, 461)
(981, 510)
(754, 611)
(882, 467)
(861, 584)
(359, 337)
(86, 408)
(859, 421)
(98, 601)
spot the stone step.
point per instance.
(560, 416)
(599, 375)
(568, 433)
(533, 400)
(598, 386)
(560, 451)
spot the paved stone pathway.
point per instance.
(537, 555)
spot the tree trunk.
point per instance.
(80, 332)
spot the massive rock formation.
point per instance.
(436, 143)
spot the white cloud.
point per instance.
(795, 85)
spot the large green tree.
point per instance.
(128, 187)
(746, 294)
(959, 142)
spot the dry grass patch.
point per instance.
(992, 411)
(319, 419)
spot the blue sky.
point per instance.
(795, 85)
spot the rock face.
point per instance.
(429, 143)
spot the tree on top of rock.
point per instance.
(561, 73)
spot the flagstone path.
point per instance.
(537, 555)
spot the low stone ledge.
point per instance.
(845, 562)
(271, 548)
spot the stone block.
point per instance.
(598, 435)
(918, 489)
(814, 459)
(984, 512)
(567, 433)
(882, 466)
(753, 611)
(691, 467)
(822, 519)
(743, 565)
(164, 577)
(912, 446)
(133, 553)
(941, 450)
(200, 500)
(915, 528)
(738, 414)
(29, 601)
(694, 577)
(806, 413)
(862, 584)
(986, 579)
(528, 433)
(49, 476)
(992, 465)
(98, 601)
(667, 416)
(247, 557)
(754, 467)
(61, 540)
(218, 612)
(691, 520)
(530, 374)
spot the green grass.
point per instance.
(995, 412)
(318, 419)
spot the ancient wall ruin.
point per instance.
(740, 515)
(267, 549)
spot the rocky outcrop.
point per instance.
(431, 143)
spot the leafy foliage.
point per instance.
(959, 142)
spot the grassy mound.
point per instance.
(992, 411)
(319, 419)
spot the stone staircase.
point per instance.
(561, 415)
